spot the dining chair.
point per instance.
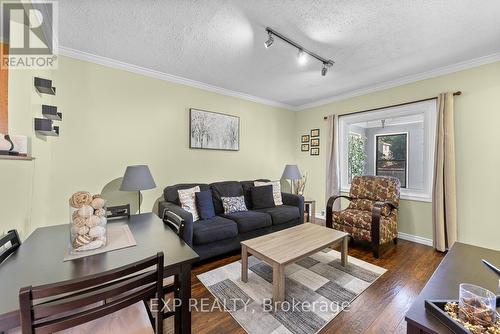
(12, 238)
(119, 211)
(177, 224)
(83, 305)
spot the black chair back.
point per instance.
(45, 308)
(12, 238)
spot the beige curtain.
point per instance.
(332, 165)
(444, 204)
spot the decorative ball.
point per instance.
(100, 212)
(98, 203)
(83, 230)
(97, 232)
(80, 199)
(79, 221)
(81, 240)
(85, 211)
(93, 221)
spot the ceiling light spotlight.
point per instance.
(325, 68)
(269, 41)
(302, 57)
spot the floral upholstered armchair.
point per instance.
(372, 214)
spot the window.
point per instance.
(395, 141)
(391, 154)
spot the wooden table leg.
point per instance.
(186, 297)
(177, 310)
(244, 264)
(313, 213)
(344, 253)
(278, 283)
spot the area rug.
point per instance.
(318, 288)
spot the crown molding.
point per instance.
(81, 55)
(405, 80)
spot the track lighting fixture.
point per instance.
(269, 41)
(302, 55)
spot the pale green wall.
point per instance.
(477, 122)
(113, 118)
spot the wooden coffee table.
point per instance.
(287, 246)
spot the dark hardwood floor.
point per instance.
(380, 309)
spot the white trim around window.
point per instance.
(429, 111)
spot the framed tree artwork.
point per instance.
(213, 131)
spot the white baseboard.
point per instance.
(415, 238)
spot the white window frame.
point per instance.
(429, 111)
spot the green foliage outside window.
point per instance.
(357, 156)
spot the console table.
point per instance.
(462, 264)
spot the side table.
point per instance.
(309, 210)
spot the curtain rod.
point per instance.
(398, 105)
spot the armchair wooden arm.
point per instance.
(329, 209)
(375, 230)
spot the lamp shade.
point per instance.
(291, 172)
(137, 178)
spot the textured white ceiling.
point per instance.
(220, 42)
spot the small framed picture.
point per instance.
(315, 133)
(304, 147)
(304, 139)
(314, 150)
(314, 141)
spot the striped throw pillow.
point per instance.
(188, 202)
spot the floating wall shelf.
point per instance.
(44, 127)
(44, 86)
(50, 112)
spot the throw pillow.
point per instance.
(276, 190)
(204, 204)
(233, 204)
(187, 199)
(262, 197)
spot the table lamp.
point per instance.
(137, 178)
(291, 172)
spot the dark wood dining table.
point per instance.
(39, 260)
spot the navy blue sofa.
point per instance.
(223, 233)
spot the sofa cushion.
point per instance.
(262, 197)
(233, 204)
(171, 194)
(213, 229)
(282, 213)
(224, 189)
(205, 204)
(250, 220)
(276, 190)
(247, 188)
(187, 198)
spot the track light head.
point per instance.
(270, 40)
(302, 57)
(325, 68)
